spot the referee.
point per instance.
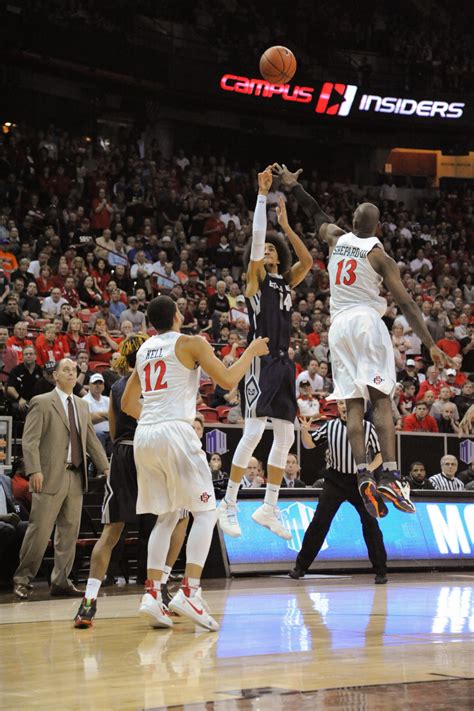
(340, 484)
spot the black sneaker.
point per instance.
(373, 501)
(297, 572)
(393, 489)
(380, 579)
(85, 614)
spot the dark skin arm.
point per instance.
(388, 270)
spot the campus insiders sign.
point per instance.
(337, 99)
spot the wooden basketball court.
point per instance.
(318, 643)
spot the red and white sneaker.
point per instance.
(189, 603)
(153, 609)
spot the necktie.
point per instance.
(76, 455)
(292, 483)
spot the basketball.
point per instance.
(278, 65)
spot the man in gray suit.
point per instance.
(58, 433)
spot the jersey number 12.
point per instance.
(346, 272)
(159, 370)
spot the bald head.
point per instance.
(365, 219)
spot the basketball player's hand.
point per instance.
(265, 179)
(285, 176)
(36, 481)
(282, 214)
(440, 358)
(260, 346)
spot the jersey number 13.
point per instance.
(346, 272)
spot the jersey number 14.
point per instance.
(285, 303)
(345, 273)
(159, 370)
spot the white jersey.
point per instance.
(353, 280)
(169, 389)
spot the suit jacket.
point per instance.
(46, 440)
(299, 484)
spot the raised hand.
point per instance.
(265, 179)
(282, 214)
(284, 175)
(440, 358)
(260, 346)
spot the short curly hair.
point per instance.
(284, 253)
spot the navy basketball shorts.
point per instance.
(268, 389)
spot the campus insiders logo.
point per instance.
(336, 99)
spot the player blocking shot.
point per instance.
(269, 385)
(172, 469)
(361, 349)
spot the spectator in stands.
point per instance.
(21, 383)
(467, 349)
(89, 294)
(70, 293)
(312, 376)
(328, 385)
(198, 425)
(101, 344)
(102, 211)
(76, 339)
(433, 382)
(467, 476)
(49, 349)
(409, 374)
(290, 477)
(11, 313)
(104, 313)
(20, 485)
(449, 344)
(308, 403)
(444, 398)
(19, 340)
(12, 530)
(446, 420)
(321, 352)
(420, 420)
(98, 405)
(51, 305)
(253, 477)
(464, 401)
(417, 477)
(82, 369)
(219, 477)
(447, 480)
(219, 301)
(134, 315)
(29, 303)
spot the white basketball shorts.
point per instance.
(361, 354)
(172, 469)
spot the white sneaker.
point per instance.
(227, 517)
(155, 612)
(269, 516)
(195, 608)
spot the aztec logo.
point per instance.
(336, 99)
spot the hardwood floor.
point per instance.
(338, 640)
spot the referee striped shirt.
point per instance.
(339, 454)
(444, 483)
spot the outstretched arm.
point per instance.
(305, 261)
(256, 268)
(388, 270)
(307, 202)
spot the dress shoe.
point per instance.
(20, 591)
(380, 579)
(297, 572)
(66, 591)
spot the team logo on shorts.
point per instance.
(252, 391)
(205, 497)
(378, 380)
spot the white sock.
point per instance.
(92, 588)
(192, 585)
(390, 466)
(271, 494)
(362, 467)
(166, 574)
(232, 491)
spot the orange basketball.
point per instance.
(278, 65)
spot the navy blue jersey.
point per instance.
(270, 313)
(125, 425)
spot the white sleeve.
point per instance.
(259, 229)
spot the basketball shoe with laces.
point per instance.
(395, 490)
(227, 517)
(85, 614)
(153, 609)
(269, 516)
(189, 602)
(372, 499)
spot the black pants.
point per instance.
(336, 490)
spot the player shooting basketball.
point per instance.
(269, 384)
(361, 349)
